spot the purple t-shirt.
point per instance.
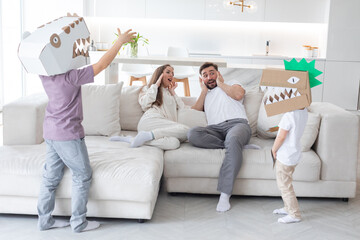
(64, 112)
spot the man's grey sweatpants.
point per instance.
(232, 135)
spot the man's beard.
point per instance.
(207, 85)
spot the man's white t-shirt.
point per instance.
(294, 122)
(220, 107)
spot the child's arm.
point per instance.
(280, 138)
(111, 53)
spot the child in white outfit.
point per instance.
(287, 153)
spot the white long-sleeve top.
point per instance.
(169, 108)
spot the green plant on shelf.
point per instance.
(134, 46)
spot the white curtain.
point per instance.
(11, 80)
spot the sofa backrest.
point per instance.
(131, 112)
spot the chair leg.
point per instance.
(185, 81)
(186, 87)
(141, 79)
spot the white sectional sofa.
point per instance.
(126, 180)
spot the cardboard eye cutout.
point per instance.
(55, 40)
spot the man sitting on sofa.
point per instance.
(227, 126)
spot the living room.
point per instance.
(182, 203)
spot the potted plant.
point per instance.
(134, 46)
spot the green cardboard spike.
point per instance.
(303, 65)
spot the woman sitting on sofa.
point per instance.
(158, 126)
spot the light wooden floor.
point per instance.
(194, 217)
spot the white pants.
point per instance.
(162, 127)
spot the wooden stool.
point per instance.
(141, 79)
(185, 81)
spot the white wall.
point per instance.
(1, 64)
(232, 38)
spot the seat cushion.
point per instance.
(119, 172)
(189, 161)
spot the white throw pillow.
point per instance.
(310, 132)
(101, 109)
(130, 109)
(192, 118)
(252, 102)
(264, 123)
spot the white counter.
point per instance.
(196, 60)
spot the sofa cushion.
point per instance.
(189, 161)
(130, 109)
(264, 123)
(252, 102)
(192, 118)
(101, 109)
(310, 132)
(119, 172)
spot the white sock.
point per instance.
(141, 138)
(224, 203)
(252, 146)
(288, 219)
(60, 224)
(280, 211)
(91, 225)
(127, 139)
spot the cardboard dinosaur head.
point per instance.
(289, 90)
(285, 90)
(56, 47)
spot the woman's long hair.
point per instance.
(153, 80)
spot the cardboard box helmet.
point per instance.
(56, 47)
(285, 90)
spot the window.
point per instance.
(11, 74)
(17, 17)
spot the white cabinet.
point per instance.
(344, 31)
(215, 10)
(305, 11)
(342, 84)
(175, 9)
(343, 54)
(120, 8)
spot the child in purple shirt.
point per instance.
(64, 137)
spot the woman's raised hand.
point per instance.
(172, 87)
(158, 82)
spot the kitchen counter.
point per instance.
(197, 59)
